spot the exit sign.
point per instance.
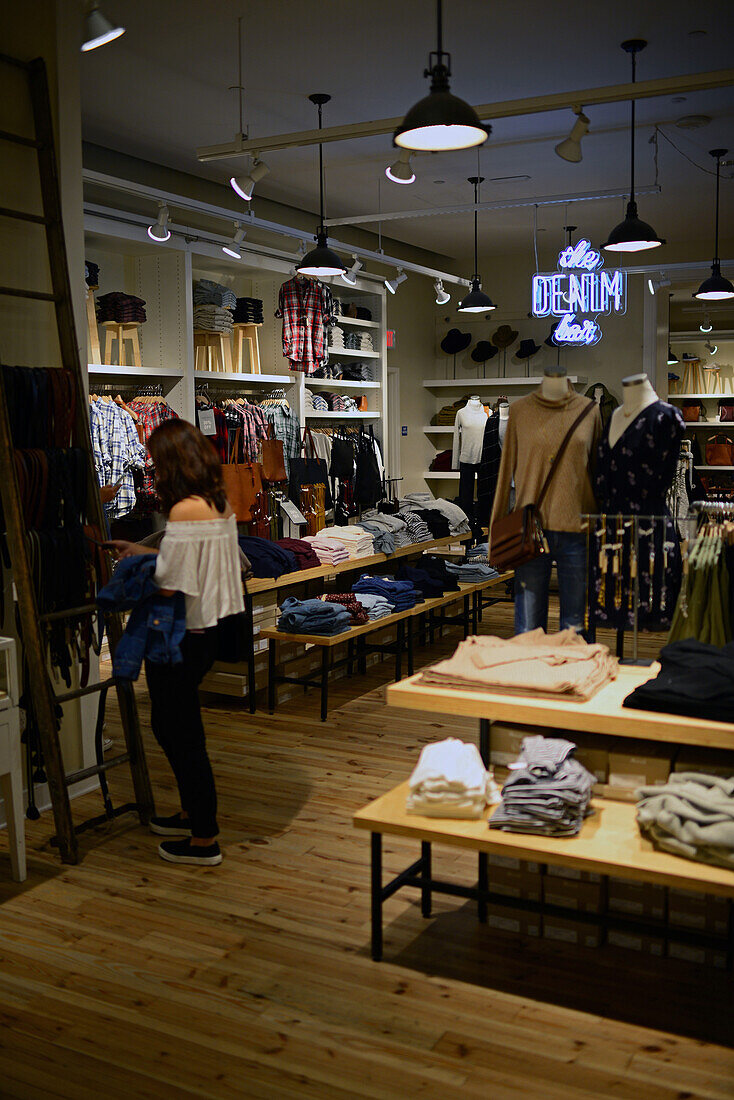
(391, 338)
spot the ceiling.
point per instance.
(162, 90)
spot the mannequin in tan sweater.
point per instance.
(536, 428)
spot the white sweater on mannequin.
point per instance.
(469, 433)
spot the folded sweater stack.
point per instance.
(397, 527)
(328, 551)
(207, 292)
(302, 551)
(358, 615)
(691, 816)
(123, 309)
(211, 318)
(377, 607)
(312, 617)
(471, 572)
(248, 311)
(357, 541)
(450, 780)
(547, 792)
(418, 530)
(266, 557)
(399, 594)
(382, 540)
(457, 517)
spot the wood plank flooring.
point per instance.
(128, 977)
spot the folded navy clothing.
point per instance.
(436, 522)
(313, 617)
(421, 579)
(267, 558)
(399, 593)
(437, 568)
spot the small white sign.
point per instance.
(207, 423)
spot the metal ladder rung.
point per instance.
(95, 769)
(39, 219)
(18, 139)
(69, 613)
(41, 295)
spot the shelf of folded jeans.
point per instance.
(610, 842)
(354, 353)
(342, 383)
(357, 321)
(491, 383)
(602, 714)
(335, 639)
(228, 377)
(311, 414)
(113, 371)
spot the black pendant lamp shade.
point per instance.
(441, 121)
(716, 287)
(476, 301)
(632, 234)
(321, 261)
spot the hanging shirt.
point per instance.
(150, 415)
(122, 452)
(307, 309)
(287, 430)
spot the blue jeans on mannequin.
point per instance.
(568, 551)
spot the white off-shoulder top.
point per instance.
(201, 558)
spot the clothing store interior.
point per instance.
(367, 483)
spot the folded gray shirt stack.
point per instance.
(397, 527)
(547, 792)
(691, 816)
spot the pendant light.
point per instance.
(321, 261)
(441, 121)
(632, 235)
(98, 30)
(716, 287)
(672, 357)
(476, 301)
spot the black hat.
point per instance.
(549, 338)
(455, 341)
(527, 349)
(484, 351)
(504, 336)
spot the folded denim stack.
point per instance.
(267, 558)
(207, 292)
(358, 615)
(691, 816)
(377, 607)
(328, 551)
(248, 311)
(209, 318)
(547, 792)
(399, 594)
(418, 529)
(537, 664)
(357, 541)
(398, 528)
(123, 309)
(382, 539)
(450, 780)
(471, 572)
(312, 617)
(457, 517)
(478, 553)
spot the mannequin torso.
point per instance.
(637, 394)
(504, 415)
(469, 432)
(554, 386)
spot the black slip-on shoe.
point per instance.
(183, 851)
(175, 825)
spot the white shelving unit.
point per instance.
(358, 321)
(232, 378)
(342, 416)
(442, 475)
(340, 384)
(339, 353)
(113, 371)
(491, 383)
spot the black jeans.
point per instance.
(175, 715)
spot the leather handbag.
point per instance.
(691, 411)
(306, 472)
(242, 483)
(719, 450)
(272, 461)
(361, 403)
(518, 537)
(726, 412)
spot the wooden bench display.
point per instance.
(609, 843)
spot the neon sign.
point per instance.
(579, 287)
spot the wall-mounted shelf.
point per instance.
(338, 384)
(342, 415)
(716, 469)
(711, 396)
(710, 425)
(447, 475)
(694, 337)
(112, 371)
(354, 354)
(357, 321)
(227, 378)
(438, 429)
(491, 383)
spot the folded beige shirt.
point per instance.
(536, 663)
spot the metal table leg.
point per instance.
(399, 651)
(466, 616)
(476, 600)
(484, 731)
(271, 675)
(482, 886)
(376, 877)
(251, 689)
(361, 655)
(350, 657)
(426, 874)
(410, 647)
(324, 682)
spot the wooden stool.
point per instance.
(692, 381)
(212, 351)
(121, 333)
(712, 377)
(94, 355)
(246, 334)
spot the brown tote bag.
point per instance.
(518, 538)
(719, 450)
(273, 463)
(242, 483)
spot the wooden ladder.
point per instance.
(45, 702)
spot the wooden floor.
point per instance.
(128, 977)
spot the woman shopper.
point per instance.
(198, 556)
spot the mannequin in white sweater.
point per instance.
(637, 394)
(467, 452)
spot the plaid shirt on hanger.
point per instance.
(287, 430)
(122, 453)
(150, 416)
(307, 309)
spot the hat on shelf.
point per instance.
(484, 351)
(504, 336)
(527, 349)
(688, 358)
(549, 338)
(455, 341)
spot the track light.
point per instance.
(234, 249)
(632, 235)
(442, 296)
(159, 231)
(98, 30)
(716, 287)
(711, 348)
(706, 324)
(672, 357)
(245, 185)
(350, 277)
(401, 171)
(653, 285)
(570, 149)
(440, 121)
(393, 284)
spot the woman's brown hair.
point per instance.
(186, 465)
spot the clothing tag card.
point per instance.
(293, 513)
(207, 423)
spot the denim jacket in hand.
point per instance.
(157, 623)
